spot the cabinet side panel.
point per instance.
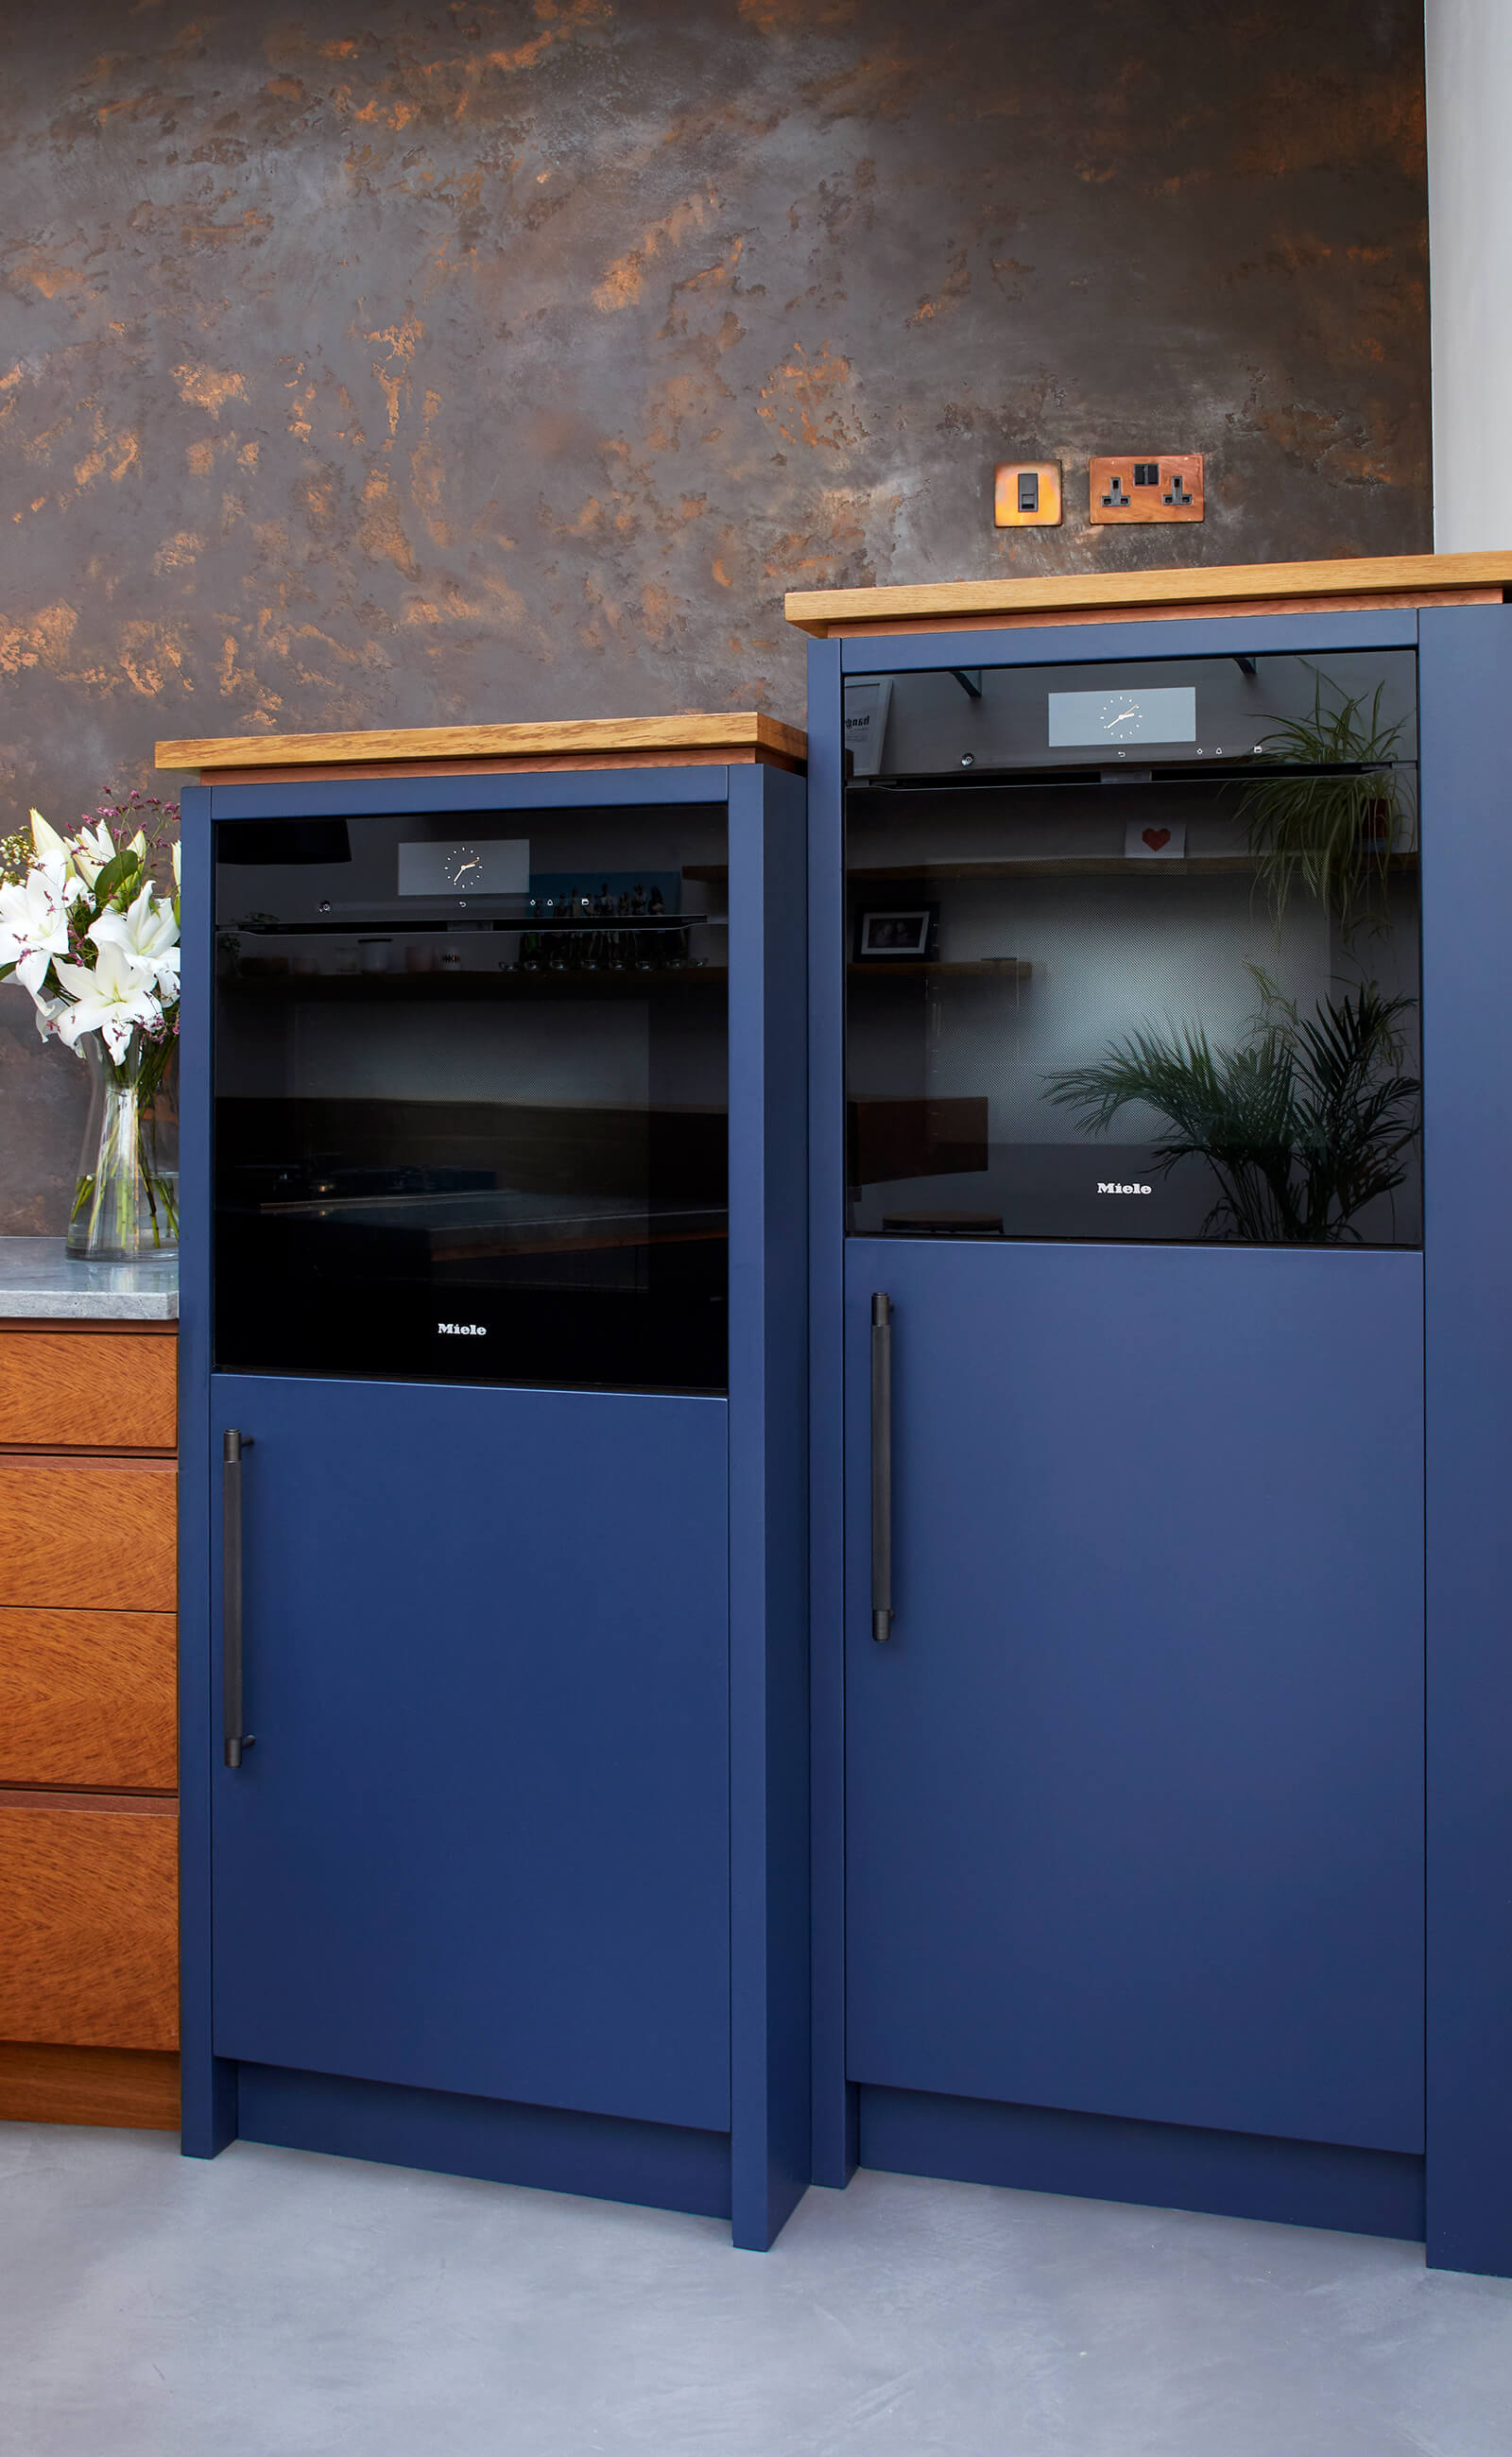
(770, 2155)
(834, 2113)
(1466, 671)
(209, 2107)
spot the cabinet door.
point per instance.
(1135, 1788)
(480, 1842)
(1133, 1005)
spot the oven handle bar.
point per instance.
(882, 1466)
(236, 1739)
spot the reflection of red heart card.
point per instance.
(1154, 845)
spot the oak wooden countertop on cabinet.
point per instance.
(88, 1806)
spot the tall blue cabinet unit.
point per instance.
(494, 1691)
(1159, 1135)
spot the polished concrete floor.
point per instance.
(275, 2305)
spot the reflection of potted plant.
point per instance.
(1302, 1124)
(85, 930)
(1332, 823)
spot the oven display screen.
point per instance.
(1108, 719)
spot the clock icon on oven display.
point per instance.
(464, 867)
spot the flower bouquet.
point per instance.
(86, 929)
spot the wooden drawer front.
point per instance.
(98, 1538)
(89, 1912)
(88, 1389)
(88, 1699)
(43, 2084)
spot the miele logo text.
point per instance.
(1107, 1186)
(463, 1330)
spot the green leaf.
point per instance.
(1331, 833)
(116, 871)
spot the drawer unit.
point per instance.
(89, 1813)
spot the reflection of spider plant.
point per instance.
(1332, 832)
(1302, 1124)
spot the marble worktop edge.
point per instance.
(38, 1281)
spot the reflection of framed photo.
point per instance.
(906, 932)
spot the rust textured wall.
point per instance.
(436, 361)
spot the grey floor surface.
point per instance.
(276, 2304)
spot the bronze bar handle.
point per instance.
(236, 1739)
(881, 1467)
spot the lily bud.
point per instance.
(46, 840)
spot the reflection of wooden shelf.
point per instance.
(1002, 968)
(1191, 866)
(1067, 866)
(496, 985)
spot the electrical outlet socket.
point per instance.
(1160, 487)
(1026, 495)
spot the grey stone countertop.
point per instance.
(39, 1282)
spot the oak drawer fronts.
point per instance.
(88, 1911)
(95, 1535)
(90, 1391)
(89, 1825)
(86, 1699)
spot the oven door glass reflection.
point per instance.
(471, 1098)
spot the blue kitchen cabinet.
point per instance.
(494, 1730)
(1157, 1117)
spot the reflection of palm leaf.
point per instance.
(1302, 1124)
(1332, 832)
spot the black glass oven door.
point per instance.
(471, 1098)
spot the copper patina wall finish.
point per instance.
(428, 363)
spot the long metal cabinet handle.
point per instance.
(882, 1466)
(237, 1740)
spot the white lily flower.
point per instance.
(90, 850)
(53, 859)
(33, 924)
(48, 1010)
(149, 935)
(113, 1000)
(48, 844)
(178, 850)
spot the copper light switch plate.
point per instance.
(1164, 487)
(1026, 495)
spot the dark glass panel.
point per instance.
(471, 1098)
(1133, 951)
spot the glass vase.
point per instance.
(126, 1199)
